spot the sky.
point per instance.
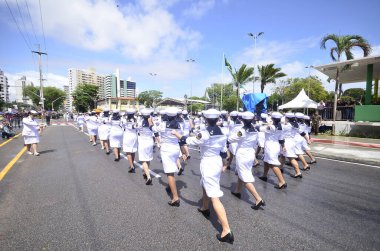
(159, 36)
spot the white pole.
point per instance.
(222, 84)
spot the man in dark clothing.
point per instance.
(316, 122)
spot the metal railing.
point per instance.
(343, 113)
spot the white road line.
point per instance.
(137, 164)
(194, 149)
(342, 161)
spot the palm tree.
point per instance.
(240, 78)
(344, 45)
(269, 74)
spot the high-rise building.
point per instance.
(67, 99)
(20, 84)
(127, 89)
(77, 77)
(4, 87)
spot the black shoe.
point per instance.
(149, 181)
(228, 168)
(296, 176)
(313, 162)
(263, 178)
(306, 168)
(283, 186)
(237, 195)
(144, 176)
(260, 204)
(174, 203)
(282, 170)
(206, 213)
(188, 157)
(229, 238)
(180, 171)
(108, 152)
(116, 159)
(131, 170)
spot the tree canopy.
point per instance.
(269, 74)
(150, 98)
(50, 94)
(85, 97)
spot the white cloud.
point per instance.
(140, 30)
(199, 8)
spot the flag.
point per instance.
(226, 63)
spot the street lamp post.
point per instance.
(52, 103)
(190, 60)
(254, 36)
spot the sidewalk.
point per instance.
(360, 150)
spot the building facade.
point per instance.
(20, 84)
(4, 87)
(66, 103)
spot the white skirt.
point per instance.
(145, 148)
(104, 132)
(298, 144)
(169, 161)
(129, 142)
(305, 145)
(211, 169)
(116, 137)
(31, 140)
(92, 131)
(244, 162)
(233, 147)
(290, 146)
(272, 150)
(261, 139)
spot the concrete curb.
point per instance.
(348, 159)
(347, 143)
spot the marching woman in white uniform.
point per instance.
(104, 130)
(273, 143)
(234, 126)
(289, 131)
(212, 145)
(130, 138)
(92, 127)
(185, 123)
(170, 151)
(145, 144)
(300, 139)
(246, 139)
(116, 134)
(261, 135)
(30, 131)
(80, 122)
(307, 141)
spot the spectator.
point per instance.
(321, 108)
(6, 130)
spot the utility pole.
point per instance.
(254, 36)
(40, 69)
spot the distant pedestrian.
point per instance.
(316, 122)
(130, 138)
(6, 130)
(116, 134)
(30, 132)
(321, 108)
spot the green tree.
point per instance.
(53, 94)
(312, 86)
(356, 93)
(85, 97)
(33, 93)
(269, 74)
(217, 95)
(343, 46)
(150, 97)
(240, 78)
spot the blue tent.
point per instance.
(255, 102)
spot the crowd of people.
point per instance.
(220, 137)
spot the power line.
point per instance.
(14, 19)
(31, 21)
(23, 23)
(42, 24)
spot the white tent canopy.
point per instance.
(301, 101)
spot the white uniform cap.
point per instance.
(106, 110)
(122, 113)
(212, 114)
(115, 111)
(163, 112)
(299, 115)
(145, 112)
(184, 112)
(264, 115)
(306, 117)
(276, 115)
(247, 115)
(223, 112)
(233, 113)
(289, 115)
(131, 111)
(33, 112)
(172, 111)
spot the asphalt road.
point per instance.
(74, 197)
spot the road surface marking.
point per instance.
(9, 140)
(342, 161)
(139, 165)
(11, 163)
